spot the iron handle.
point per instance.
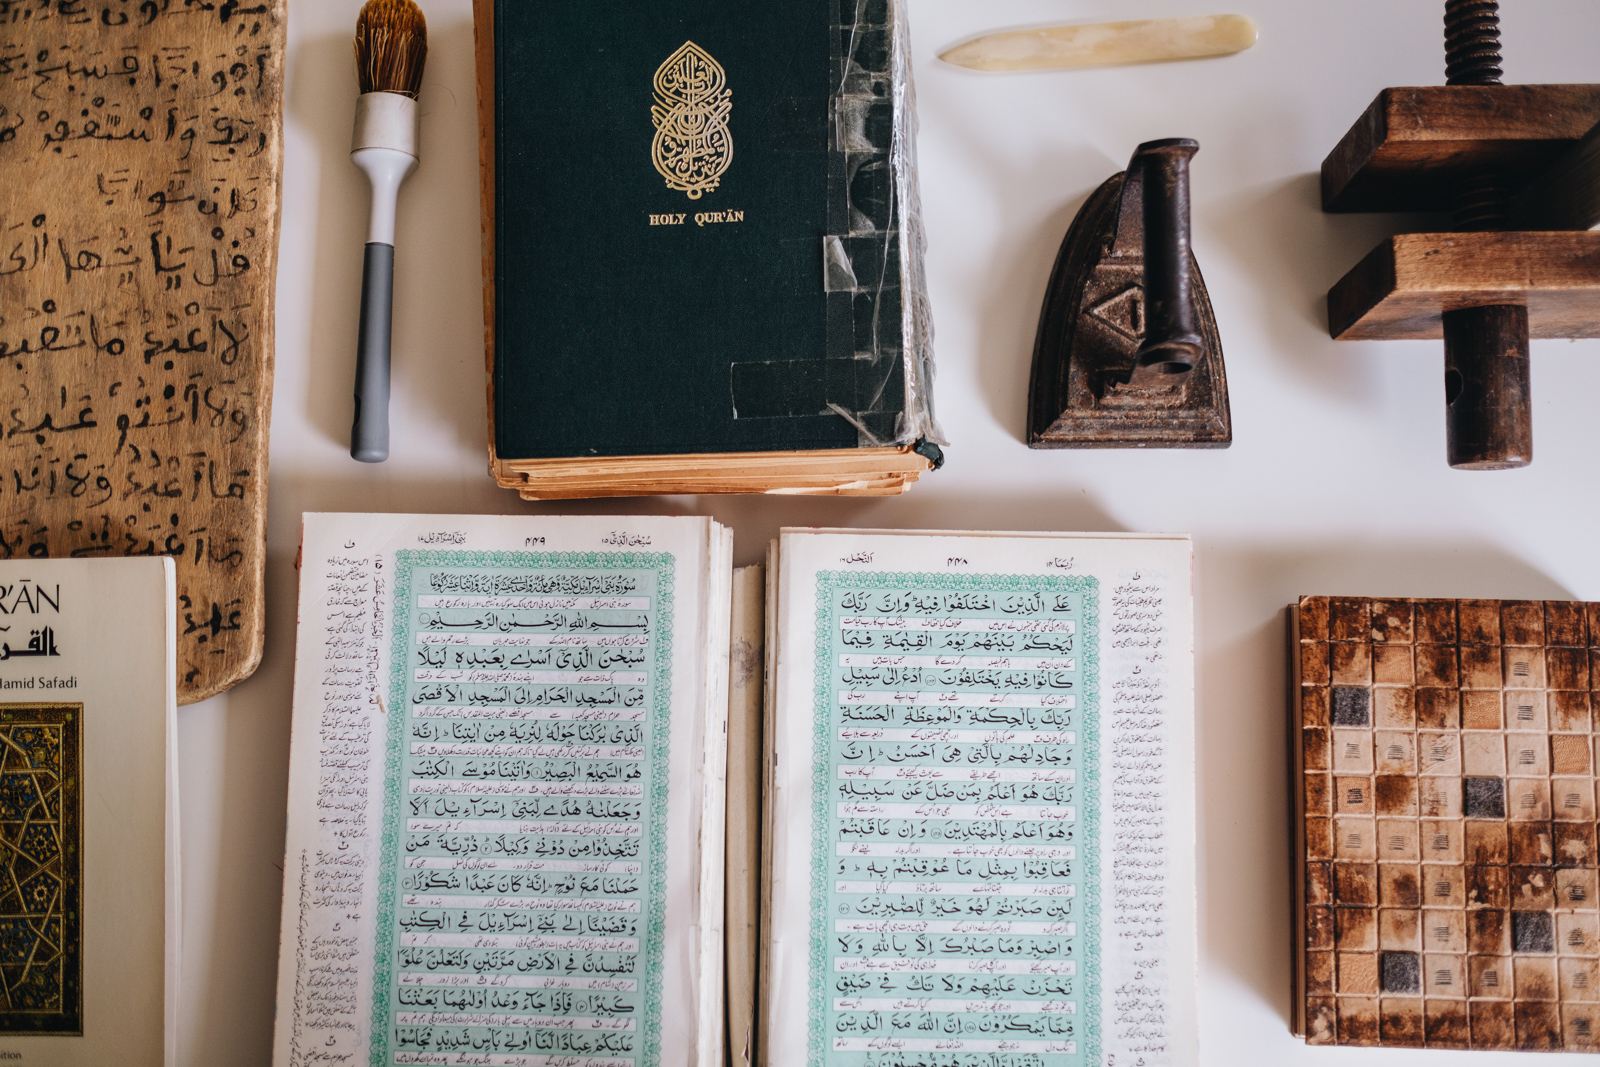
(1172, 343)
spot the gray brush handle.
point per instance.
(369, 436)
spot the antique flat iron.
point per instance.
(1127, 354)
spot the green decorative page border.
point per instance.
(408, 560)
(829, 582)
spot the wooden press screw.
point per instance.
(1172, 343)
(1486, 376)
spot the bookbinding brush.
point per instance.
(391, 49)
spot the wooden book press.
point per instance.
(1467, 147)
(1127, 354)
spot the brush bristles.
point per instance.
(391, 47)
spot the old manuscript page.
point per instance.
(506, 793)
(982, 803)
(140, 162)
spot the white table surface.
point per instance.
(1336, 482)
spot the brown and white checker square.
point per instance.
(1448, 752)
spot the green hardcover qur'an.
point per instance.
(704, 264)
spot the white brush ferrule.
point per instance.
(386, 120)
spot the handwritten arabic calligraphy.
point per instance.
(956, 820)
(692, 147)
(524, 901)
(138, 236)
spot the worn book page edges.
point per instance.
(878, 374)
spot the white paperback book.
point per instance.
(89, 916)
(980, 833)
(507, 793)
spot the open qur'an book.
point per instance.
(980, 806)
(507, 793)
(89, 932)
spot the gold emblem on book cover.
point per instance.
(692, 146)
(41, 889)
